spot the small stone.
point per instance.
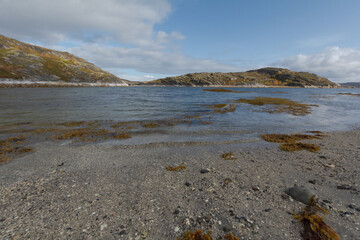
(300, 194)
(103, 226)
(352, 206)
(327, 201)
(61, 164)
(177, 229)
(346, 187)
(267, 210)
(323, 157)
(227, 228)
(176, 212)
(123, 232)
(312, 181)
(255, 188)
(202, 171)
(187, 184)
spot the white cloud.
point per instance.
(337, 64)
(52, 21)
(148, 60)
(113, 34)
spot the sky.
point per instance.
(143, 40)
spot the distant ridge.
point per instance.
(264, 77)
(28, 64)
(351, 85)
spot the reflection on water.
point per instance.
(45, 107)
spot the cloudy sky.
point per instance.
(148, 39)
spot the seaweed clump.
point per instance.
(176, 169)
(9, 147)
(289, 142)
(200, 235)
(314, 226)
(82, 134)
(350, 94)
(196, 235)
(279, 105)
(121, 136)
(291, 147)
(228, 156)
(221, 90)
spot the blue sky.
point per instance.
(144, 40)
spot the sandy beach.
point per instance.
(62, 191)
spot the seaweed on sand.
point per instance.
(285, 138)
(314, 226)
(9, 147)
(176, 169)
(121, 136)
(291, 147)
(228, 156)
(289, 142)
(82, 134)
(196, 235)
(279, 105)
(200, 235)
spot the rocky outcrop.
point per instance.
(25, 62)
(255, 78)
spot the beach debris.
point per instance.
(314, 226)
(279, 105)
(228, 156)
(300, 194)
(176, 169)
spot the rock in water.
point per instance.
(300, 194)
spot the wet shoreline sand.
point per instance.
(62, 191)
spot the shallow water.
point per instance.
(31, 108)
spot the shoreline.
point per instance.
(111, 192)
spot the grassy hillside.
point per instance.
(20, 61)
(259, 77)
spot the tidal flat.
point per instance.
(172, 163)
(68, 191)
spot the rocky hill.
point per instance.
(28, 63)
(261, 77)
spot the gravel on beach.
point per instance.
(62, 191)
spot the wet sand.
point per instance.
(62, 191)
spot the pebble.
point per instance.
(300, 194)
(103, 226)
(177, 229)
(187, 184)
(204, 171)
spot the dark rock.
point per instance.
(123, 232)
(176, 212)
(346, 187)
(300, 194)
(323, 157)
(68, 229)
(61, 164)
(204, 171)
(227, 228)
(312, 181)
(352, 206)
(267, 210)
(187, 184)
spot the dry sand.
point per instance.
(63, 191)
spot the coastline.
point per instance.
(113, 192)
